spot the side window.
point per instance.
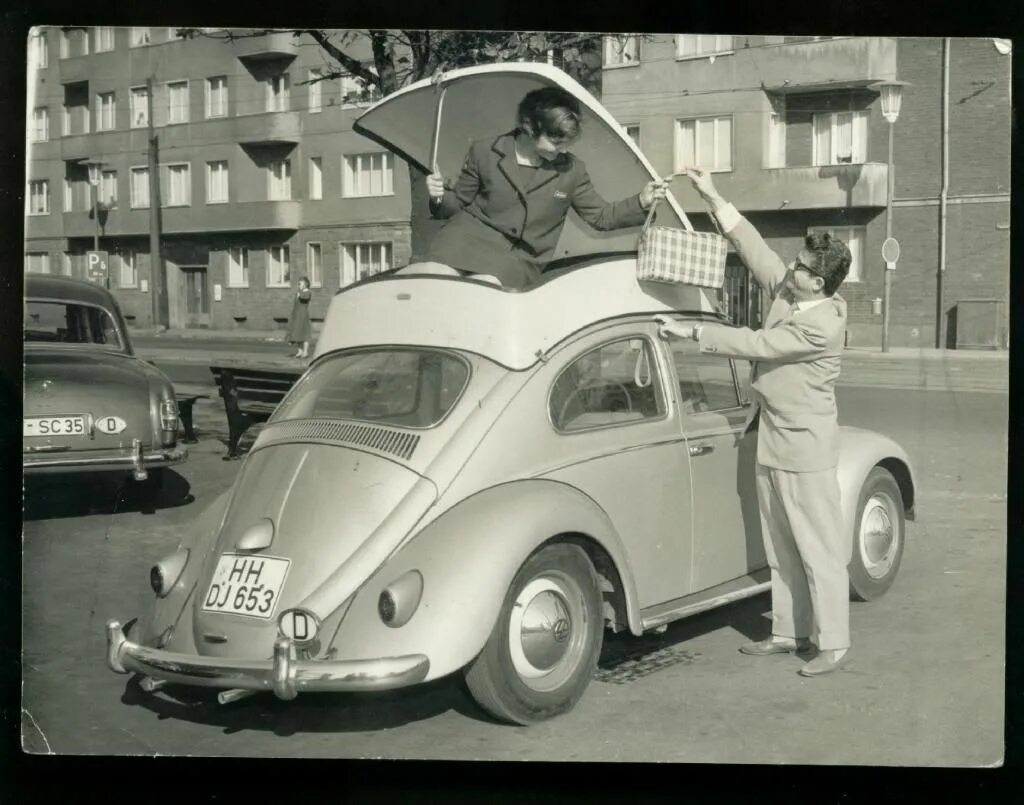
(614, 384)
(705, 381)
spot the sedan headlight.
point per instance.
(398, 601)
(165, 573)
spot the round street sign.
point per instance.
(891, 252)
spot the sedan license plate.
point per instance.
(67, 425)
(246, 585)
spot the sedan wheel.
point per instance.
(879, 533)
(544, 647)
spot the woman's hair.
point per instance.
(550, 111)
(304, 280)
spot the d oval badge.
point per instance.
(110, 424)
(300, 625)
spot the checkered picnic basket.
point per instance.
(680, 256)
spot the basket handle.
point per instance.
(686, 221)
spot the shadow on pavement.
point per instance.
(55, 497)
(310, 712)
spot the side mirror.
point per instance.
(248, 437)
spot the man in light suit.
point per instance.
(796, 359)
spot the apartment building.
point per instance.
(794, 132)
(261, 178)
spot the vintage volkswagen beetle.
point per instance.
(474, 479)
(91, 405)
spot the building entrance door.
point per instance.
(196, 296)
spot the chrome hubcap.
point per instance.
(547, 631)
(878, 537)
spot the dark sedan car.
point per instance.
(90, 404)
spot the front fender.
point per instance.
(860, 451)
(468, 557)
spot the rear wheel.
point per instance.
(879, 534)
(544, 648)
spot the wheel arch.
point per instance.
(900, 470)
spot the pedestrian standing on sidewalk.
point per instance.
(299, 330)
(796, 360)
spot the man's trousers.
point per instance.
(808, 550)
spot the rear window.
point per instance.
(413, 388)
(70, 323)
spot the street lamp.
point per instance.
(891, 93)
(94, 194)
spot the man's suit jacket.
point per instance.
(797, 359)
(489, 189)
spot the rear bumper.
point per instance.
(133, 460)
(284, 674)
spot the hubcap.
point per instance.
(879, 537)
(547, 631)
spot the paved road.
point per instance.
(924, 685)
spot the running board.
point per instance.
(712, 598)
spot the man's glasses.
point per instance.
(800, 264)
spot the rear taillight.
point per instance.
(169, 420)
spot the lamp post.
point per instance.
(891, 93)
(94, 195)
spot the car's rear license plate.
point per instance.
(246, 585)
(67, 425)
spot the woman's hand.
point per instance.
(435, 185)
(651, 192)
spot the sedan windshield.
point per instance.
(70, 323)
(413, 388)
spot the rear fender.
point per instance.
(468, 558)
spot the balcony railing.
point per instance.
(269, 128)
(268, 46)
(843, 62)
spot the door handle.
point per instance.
(701, 449)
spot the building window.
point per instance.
(367, 175)
(39, 131)
(775, 153)
(694, 45)
(621, 50)
(129, 271)
(177, 102)
(279, 180)
(107, 190)
(74, 42)
(278, 271)
(358, 91)
(854, 237)
(139, 195)
(278, 87)
(140, 37)
(217, 96)
(704, 143)
(238, 267)
(37, 263)
(216, 182)
(316, 90)
(140, 107)
(315, 264)
(39, 197)
(106, 111)
(840, 138)
(39, 55)
(104, 39)
(316, 178)
(177, 179)
(362, 260)
(633, 132)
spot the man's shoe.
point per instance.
(826, 662)
(777, 645)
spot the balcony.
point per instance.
(802, 188)
(269, 128)
(267, 47)
(235, 217)
(829, 64)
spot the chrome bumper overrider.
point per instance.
(285, 675)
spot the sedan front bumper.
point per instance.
(284, 674)
(134, 460)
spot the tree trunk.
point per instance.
(423, 226)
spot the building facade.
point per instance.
(261, 178)
(794, 132)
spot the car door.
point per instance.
(714, 417)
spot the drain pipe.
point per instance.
(940, 304)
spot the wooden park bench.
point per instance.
(250, 395)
